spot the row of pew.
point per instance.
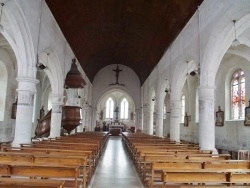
(164, 163)
(67, 161)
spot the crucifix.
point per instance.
(117, 111)
(117, 72)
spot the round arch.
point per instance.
(110, 90)
(21, 41)
(218, 44)
(179, 77)
(117, 94)
(53, 70)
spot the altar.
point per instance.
(116, 125)
(116, 129)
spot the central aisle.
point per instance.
(115, 169)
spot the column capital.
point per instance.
(175, 104)
(57, 99)
(27, 79)
(26, 84)
(206, 92)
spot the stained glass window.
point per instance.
(182, 108)
(109, 108)
(124, 109)
(238, 95)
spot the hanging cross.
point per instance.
(117, 111)
(117, 71)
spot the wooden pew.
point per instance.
(215, 166)
(205, 176)
(146, 159)
(229, 164)
(64, 156)
(71, 174)
(30, 183)
(146, 166)
(161, 166)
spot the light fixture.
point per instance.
(193, 73)
(38, 64)
(78, 95)
(197, 72)
(187, 74)
(169, 82)
(1, 26)
(236, 42)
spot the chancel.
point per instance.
(120, 93)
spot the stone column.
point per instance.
(56, 116)
(83, 118)
(137, 119)
(159, 117)
(88, 118)
(141, 119)
(93, 122)
(26, 91)
(145, 119)
(79, 128)
(206, 118)
(151, 121)
(175, 114)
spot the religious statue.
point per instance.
(132, 115)
(14, 108)
(101, 114)
(186, 120)
(41, 113)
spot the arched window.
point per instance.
(124, 109)
(197, 107)
(109, 108)
(238, 95)
(3, 88)
(50, 101)
(164, 112)
(34, 109)
(182, 108)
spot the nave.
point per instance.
(115, 168)
(99, 160)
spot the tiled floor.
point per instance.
(115, 169)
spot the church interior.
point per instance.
(124, 93)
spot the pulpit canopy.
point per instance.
(74, 78)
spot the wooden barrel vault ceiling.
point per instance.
(134, 33)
